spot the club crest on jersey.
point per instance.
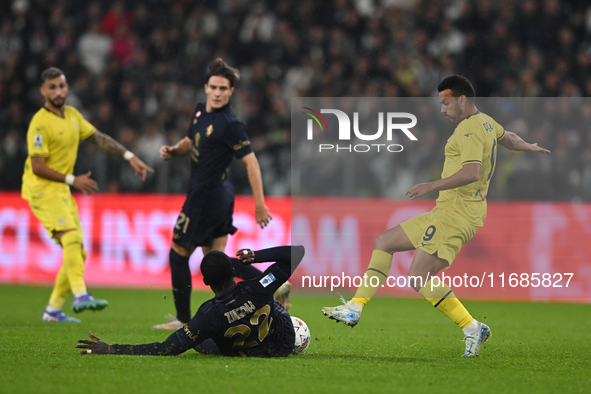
(75, 123)
(198, 114)
(38, 140)
(209, 130)
(267, 280)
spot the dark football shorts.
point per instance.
(199, 224)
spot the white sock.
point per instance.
(472, 327)
(80, 294)
(51, 308)
(353, 305)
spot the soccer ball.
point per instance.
(302, 335)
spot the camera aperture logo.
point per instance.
(345, 130)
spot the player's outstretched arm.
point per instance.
(256, 183)
(80, 182)
(108, 144)
(177, 343)
(286, 258)
(96, 346)
(183, 147)
(467, 174)
(514, 142)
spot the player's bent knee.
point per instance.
(381, 242)
(392, 241)
(181, 250)
(72, 237)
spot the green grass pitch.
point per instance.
(400, 345)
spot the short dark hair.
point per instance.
(219, 68)
(50, 73)
(459, 86)
(216, 268)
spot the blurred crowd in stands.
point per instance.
(136, 71)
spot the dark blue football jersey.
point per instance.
(246, 321)
(243, 322)
(217, 137)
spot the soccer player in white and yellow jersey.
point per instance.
(52, 140)
(437, 236)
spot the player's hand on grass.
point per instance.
(96, 346)
(420, 190)
(85, 184)
(246, 256)
(166, 152)
(535, 148)
(140, 167)
(262, 216)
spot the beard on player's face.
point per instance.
(57, 104)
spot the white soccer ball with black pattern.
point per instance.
(302, 335)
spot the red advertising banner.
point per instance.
(127, 238)
(525, 249)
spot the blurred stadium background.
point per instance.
(136, 71)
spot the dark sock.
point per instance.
(181, 285)
(244, 271)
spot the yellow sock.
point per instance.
(444, 299)
(61, 289)
(74, 260)
(379, 267)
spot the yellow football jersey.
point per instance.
(473, 141)
(56, 138)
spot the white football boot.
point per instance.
(475, 340)
(343, 313)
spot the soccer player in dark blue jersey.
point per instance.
(215, 135)
(242, 320)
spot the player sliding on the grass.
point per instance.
(242, 320)
(437, 236)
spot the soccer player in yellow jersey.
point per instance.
(437, 236)
(52, 140)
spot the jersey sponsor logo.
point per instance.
(468, 135)
(209, 130)
(241, 145)
(189, 333)
(267, 280)
(38, 140)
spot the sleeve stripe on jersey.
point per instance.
(472, 161)
(501, 137)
